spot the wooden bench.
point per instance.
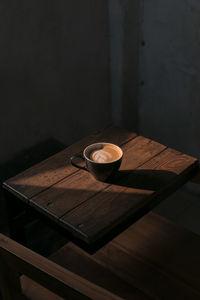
(152, 259)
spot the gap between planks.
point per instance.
(95, 194)
(39, 207)
(74, 172)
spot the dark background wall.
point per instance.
(54, 71)
(170, 67)
(169, 102)
(124, 24)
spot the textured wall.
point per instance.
(170, 67)
(124, 52)
(54, 71)
(130, 104)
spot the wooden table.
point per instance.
(93, 212)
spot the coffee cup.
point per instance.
(102, 160)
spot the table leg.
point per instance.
(17, 219)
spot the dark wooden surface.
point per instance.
(89, 209)
(154, 258)
(26, 275)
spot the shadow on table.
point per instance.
(142, 179)
(89, 207)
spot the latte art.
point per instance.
(101, 156)
(105, 155)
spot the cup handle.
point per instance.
(74, 164)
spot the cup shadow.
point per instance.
(142, 179)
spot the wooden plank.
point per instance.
(33, 290)
(77, 188)
(156, 256)
(79, 262)
(67, 194)
(97, 216)
(43, 175)
(166, 246)
(152, 280)
(49, 274)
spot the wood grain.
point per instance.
(166, 246)
(152, 259)
(153, 281)
(77, 188)
(156, 256)
(82, 264)
(43, 175)
(116, 203)
(60, 281)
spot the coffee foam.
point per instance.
(106, 154)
